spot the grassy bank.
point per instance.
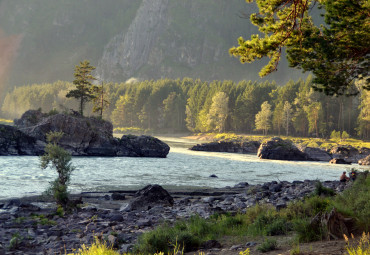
(305, 141)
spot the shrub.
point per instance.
(267, 245)
(355, 201)
(306, 232)
(60, 160)
(320, 190)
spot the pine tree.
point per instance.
(84, 90)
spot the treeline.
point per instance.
(218, 106)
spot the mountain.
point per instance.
(42, 40)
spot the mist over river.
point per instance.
(22, 176)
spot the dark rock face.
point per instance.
(339, 161)
(149, 197)
(223, 146)
(349, 153)
(280, 149)
(14, 142)
(142, 146)
(316, 154)
(364, 161)
(82, 137)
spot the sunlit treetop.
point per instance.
(337, 53)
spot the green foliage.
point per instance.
(169, 106)
(305, 232)
(335, 135)
(336, 53)
(60, 160)
(355, 201)
(84, 91)
(267, 245)
(362, 247)
(15, 241)
(263, 118)
(320, 190)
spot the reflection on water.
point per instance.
(20, 176)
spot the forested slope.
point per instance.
(123, 38)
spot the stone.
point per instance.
(339, 161)
(213, 176)
(316, 154)
(116, 217)
(118, 196)
(364, 161)
(241, 185)
(141, 146)
(211, 244)
(150, 196)
(279, 149)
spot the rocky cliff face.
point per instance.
(124, 38)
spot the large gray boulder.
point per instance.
(149, 197)
(349, 153)
(226, 146)
(142, 146)
(84, 136)
(316, 154)
(279, 149)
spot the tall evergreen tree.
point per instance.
(83, 77)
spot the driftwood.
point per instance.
(333, 224)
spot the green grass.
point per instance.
(305, 141)
(6, 122)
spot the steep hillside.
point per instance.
(124, 38)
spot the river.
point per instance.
(22, 176)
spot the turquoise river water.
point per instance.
(22, 176)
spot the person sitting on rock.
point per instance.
(343, 177)
(353, 175)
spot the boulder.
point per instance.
(339, 161)
(149, 197)
(83, 136)
(348, 153)
(14, 142)
(316, 154)
(364, 161)
(225, 146)
(279, 149)
(141, 146)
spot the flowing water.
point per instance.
(22, 176)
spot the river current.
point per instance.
(22, 176)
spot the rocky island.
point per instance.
(83, 136)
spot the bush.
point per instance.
(306, 232)
(355, 201)
(267, 245)
(60, 160)
(320, 190)
(362, 248)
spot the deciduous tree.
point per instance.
(263, 118)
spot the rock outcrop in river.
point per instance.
(279, 149)
(83, 136)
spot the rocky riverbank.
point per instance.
(279, 149)
(32, 226)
